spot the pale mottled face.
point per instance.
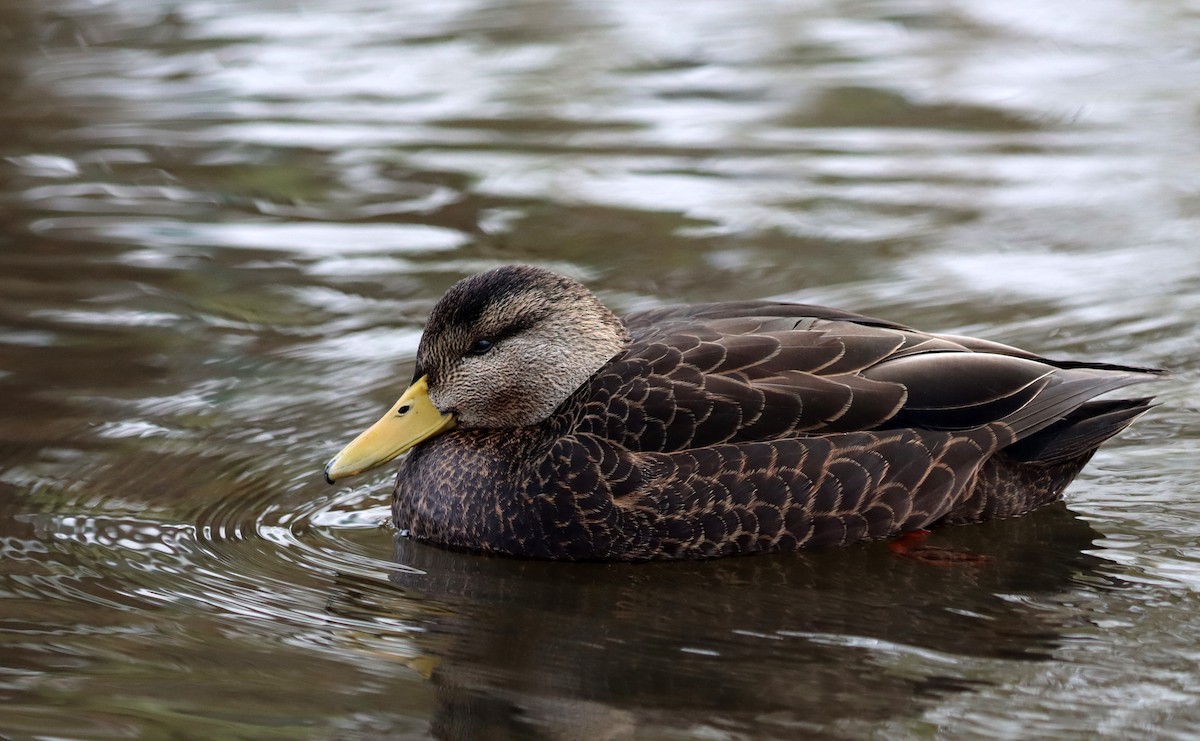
(504, 348)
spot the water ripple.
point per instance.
(225, 224)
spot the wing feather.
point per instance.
(753, 371)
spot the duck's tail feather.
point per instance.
(1062, 417)
(1080, 432)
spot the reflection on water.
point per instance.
(223, 223)
(760, 646)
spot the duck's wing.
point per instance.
(830, 489)
(699, 376)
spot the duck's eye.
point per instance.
(480, 346)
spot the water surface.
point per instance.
(223, 223)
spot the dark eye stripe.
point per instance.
(480, 346)
(483, 345)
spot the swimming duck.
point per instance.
(539, 424)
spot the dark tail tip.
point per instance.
(1080, 432)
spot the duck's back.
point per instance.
(699, 375)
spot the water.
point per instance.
(224, 222)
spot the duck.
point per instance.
(539, 424)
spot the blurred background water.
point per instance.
(222, 224)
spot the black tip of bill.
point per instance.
(325, 473)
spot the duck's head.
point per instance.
(501, 349)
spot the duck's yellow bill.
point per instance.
(411, 420)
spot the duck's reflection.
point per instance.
(774, 646)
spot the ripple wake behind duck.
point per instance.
(542, 425)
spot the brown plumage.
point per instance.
(723, 429)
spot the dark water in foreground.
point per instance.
(221, 227)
